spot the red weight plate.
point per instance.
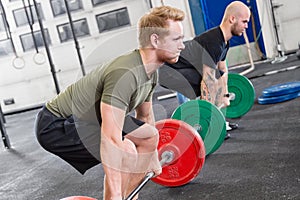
(188, 148)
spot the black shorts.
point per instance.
(78, 143)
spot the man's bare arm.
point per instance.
(223, 87)
(144, 112)
(208, 84)
(112, 147)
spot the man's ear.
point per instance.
(232, 19)
(154, 40)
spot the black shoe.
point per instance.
(227, 136)
(231, 126)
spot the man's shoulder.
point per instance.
(210, 35)
(126, 61)
(128, 57)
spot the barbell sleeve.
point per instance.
(231, 96)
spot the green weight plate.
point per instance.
(207, 119)
(244, 96)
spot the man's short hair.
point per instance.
(156, 21)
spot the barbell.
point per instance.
(197, 128)
(181, 152)
(182, 155)
(209, 120)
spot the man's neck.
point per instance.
(226, 32)
(150, 61)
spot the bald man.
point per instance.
(201, 70)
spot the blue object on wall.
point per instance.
(197, 16)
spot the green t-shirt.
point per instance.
(122, 83)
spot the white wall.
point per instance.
(33, 84)
(287, 16)
(267, 25)
(238, 55)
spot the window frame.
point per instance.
(24, 20)
(8, 46)
(67, 27)
(64, 10)
(38, 38)
(108, 14)
(101, 2)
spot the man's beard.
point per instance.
(234, 31)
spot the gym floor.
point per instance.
(261, 160)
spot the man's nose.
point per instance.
(182, 46)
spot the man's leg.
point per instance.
(59, 136)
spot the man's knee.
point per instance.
(147, 137)
(130, 146)
(153, 140)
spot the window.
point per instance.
(80, 28)
(2, 23)
(20, 15)
(113, 19)
(97, 2)
(5, 47)
(2, 20)
(59, 8)
(28, 43)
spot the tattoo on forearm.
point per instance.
(218, 100)
(205, 94)
(208, 88)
